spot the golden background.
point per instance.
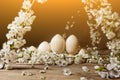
(51, 19)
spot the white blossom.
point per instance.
(85, 68)
(67, 72)
(83, 53)
(110, 35)
(114, 74)
(27, 4)
(103, 74)
(96, 67)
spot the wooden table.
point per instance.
(54, 73)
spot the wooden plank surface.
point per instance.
(54, 73)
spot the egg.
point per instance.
(72, 44)
(44, 47)
(57, 44)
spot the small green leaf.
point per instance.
(100, 68)
(11, 46)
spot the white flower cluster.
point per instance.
(31, 55)
(17, 29)
(27, 5)
(114, 67)
(101, 17)
(25, 54)
(93, 22)
(94, 56)
(114, 46)
(62, 59)
(81, 57)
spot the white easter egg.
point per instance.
(57, 43)
(44, 47)
(72, 44)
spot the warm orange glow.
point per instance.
(51, 19)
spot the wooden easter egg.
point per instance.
(57, 44)
(72, 44)
(44, 47)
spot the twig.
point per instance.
(21, 66)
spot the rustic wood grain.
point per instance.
(54, 73)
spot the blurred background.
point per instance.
(52, 18)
